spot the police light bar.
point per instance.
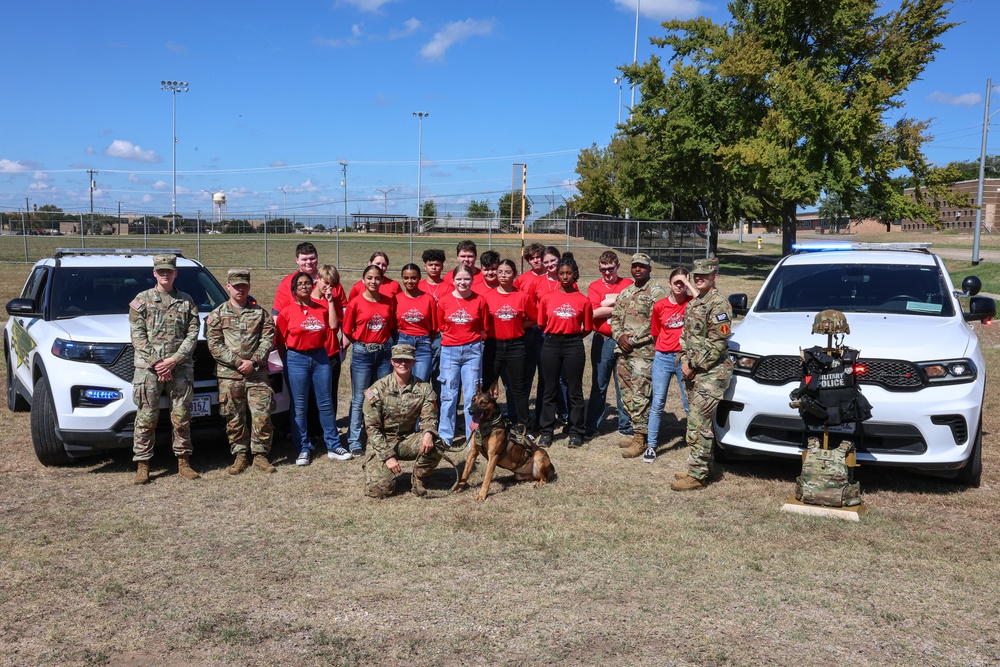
(821, 246)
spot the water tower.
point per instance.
(218, 204)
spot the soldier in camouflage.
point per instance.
(392, 408)
(707, 368)
(164, 324)
(240, 335)
(631, 320)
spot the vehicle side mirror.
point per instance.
(738, 302)
(981, 309)
(21, 307)
(971, 285)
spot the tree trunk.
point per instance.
(788, 227)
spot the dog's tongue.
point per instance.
(473, 423)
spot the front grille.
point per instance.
(959, 429)
(204, 364)
(892, 374)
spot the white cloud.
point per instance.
(41, 176)
(410, 26)
(278, 163)
(161, 186)
(453, 33)
(307, 186)
(337, 43)
(963, 100)
(126, 150)
(147, 198)
(357, 29)
(12, 166)
(90, 151)
(179, 49)
(136, 178)
(365, 5)
(39, 186)
(665, 9)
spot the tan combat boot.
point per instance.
(687, 483)
(261, 463)
(714, 473)
(417, 486)
(240, 464)
(636, 448)
(141, 473)
(184, 468)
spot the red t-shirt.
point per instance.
(304, 327)
(461, 321)
(416, 317)
(389, 288)
(507, 314)
(283, 296)
(434, 290)
(481, 288)
(565, 313)
(668, 321)
(368, 321)
(525, 282)
(598, 292)
(333, 339)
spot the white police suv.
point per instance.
(69, 354)
(920, 365)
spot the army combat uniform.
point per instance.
(633, 315)
(164, 325)
(235, 334)
(705, 349)
(391, 413)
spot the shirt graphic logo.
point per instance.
(413, 316)
(566, 312)
(460, 316)
(506, 313)
(376, 323)
(675, 321)
(312, 324)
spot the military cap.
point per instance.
(403, 351)
(239, 276)
(641, 258)
(164, 262)
(705, 265)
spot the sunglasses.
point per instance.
(608, 269)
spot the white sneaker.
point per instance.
(649, 455)
(304, 459)
(338, 454)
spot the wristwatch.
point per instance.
(256, 366)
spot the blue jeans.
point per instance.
(665, 366)
(436, 365)
(422, 368)
(311, 370)
(461, 370)
(603, 367)
(366, 367)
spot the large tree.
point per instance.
(503, 205)
(786, 101)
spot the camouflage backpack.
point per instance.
(826, 478)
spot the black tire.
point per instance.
(971, 473)
(48, 447)
(15, 402)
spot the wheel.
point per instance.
(971, 473)
(15, 402)
(48, 448)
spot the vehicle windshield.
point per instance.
(108, 290)
(857, 288)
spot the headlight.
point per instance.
(94, 353)
(743, 363)
(953, 370)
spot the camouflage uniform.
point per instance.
(164, 325)
(633, 315)
(705, 349)
(391, 413)
(235, 334)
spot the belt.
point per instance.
(372, 347)
(315, 349)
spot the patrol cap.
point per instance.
(705, 265)
(403, 351)
(164, 262)
(641, 258)
(238, 276)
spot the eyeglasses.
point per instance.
(608, 269)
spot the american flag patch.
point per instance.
(136, 305)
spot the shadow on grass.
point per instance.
(752, 265)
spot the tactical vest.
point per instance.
(827, 395)
(826, 478)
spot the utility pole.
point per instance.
(343, 168)
(119, 218)
(92, 172)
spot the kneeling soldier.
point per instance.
(240, 335)
(392, 408)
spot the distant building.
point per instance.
(963, 216)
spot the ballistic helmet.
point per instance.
(830, 322)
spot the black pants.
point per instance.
(563, 357)
(509, 356)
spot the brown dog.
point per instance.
(493, 438)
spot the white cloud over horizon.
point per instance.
(12, 166)
(963, 100)
(452, 33)
(126, 150)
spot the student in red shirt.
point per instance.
(369, 321)
(511, 311)
(542, 286)
(666, 326)
(465, 254)
(303, 327)
(416, 313)
(389, 287)
(487, 278)
(307, 259)
(565, 316)
(433, 284)
(462, 317)
(328, 283)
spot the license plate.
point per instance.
(850, 427)
(201, 406)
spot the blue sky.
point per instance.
(280, 94)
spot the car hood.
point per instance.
(100, 328)
(875, 335)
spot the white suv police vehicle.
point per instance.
(69, 354)
(920, 365)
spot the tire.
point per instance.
(15, 402)
(971, 473)
(48, 447)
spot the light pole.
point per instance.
(284, 209)
(635, 53)
(420, 115)
(982, 172)
(174, 87)
(618, 82)
(343, 168)
(385, 199)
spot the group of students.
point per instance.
(470, 327)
